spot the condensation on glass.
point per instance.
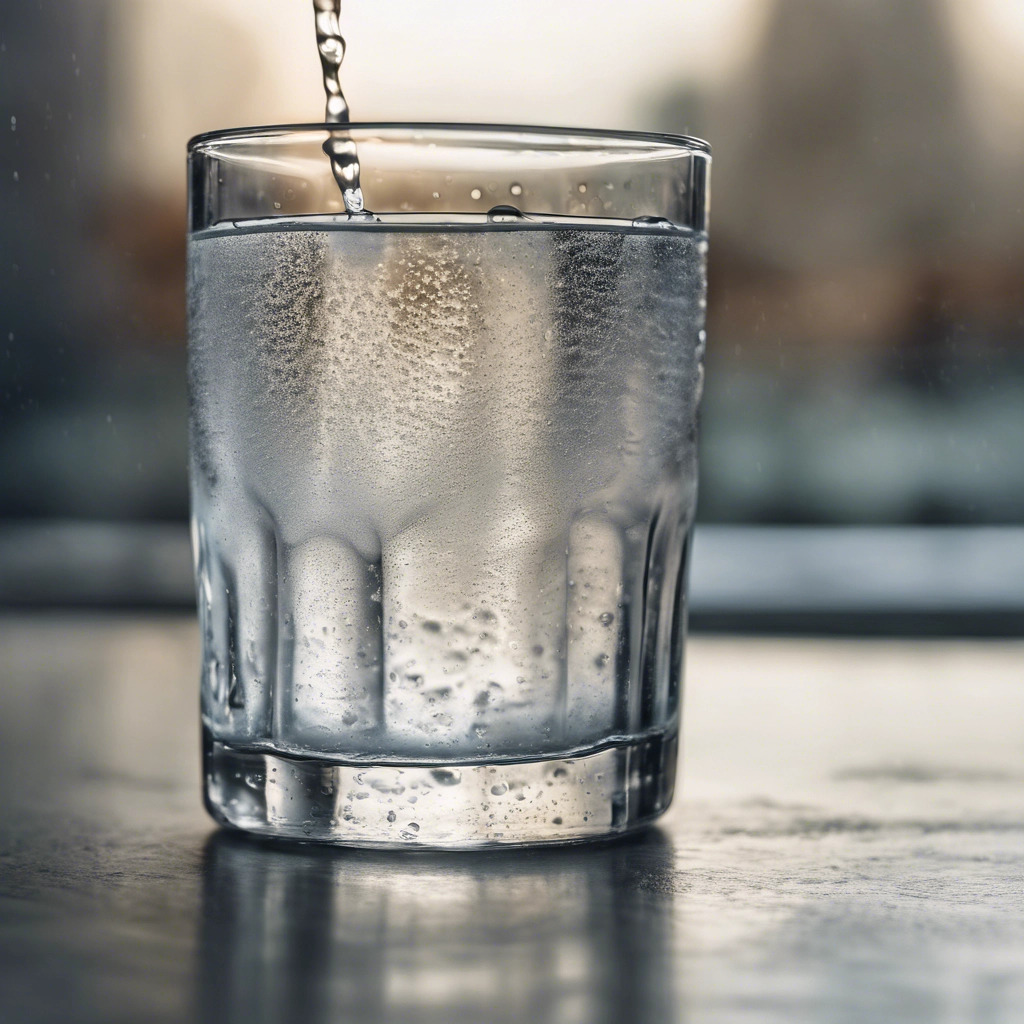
(443, 474)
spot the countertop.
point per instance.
(847, 845)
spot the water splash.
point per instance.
(339, 147)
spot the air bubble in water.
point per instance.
(516, 189)
(475, 194)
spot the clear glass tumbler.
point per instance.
(443, 469)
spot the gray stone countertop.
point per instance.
(847, 845)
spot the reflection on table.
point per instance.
(560, 935)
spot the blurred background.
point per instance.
(864, 410)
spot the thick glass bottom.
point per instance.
(592, 794)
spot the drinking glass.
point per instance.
(443, 476)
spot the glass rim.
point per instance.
(256, 132)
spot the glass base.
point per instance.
(592, 794)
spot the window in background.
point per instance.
(866, 352)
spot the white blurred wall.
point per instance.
(193, 65)
(184, 66)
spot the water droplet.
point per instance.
(556, 821)
(436, 195)
(402, 623)
(475, 194)
(14, 123)
(413, 826)
(601, 660)
(653, 222)
(392, 817)
(504, 214)
(349, 718)
(516, 189)
(499, 790)
(581, 188)
(606, 618)
(446, 777)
